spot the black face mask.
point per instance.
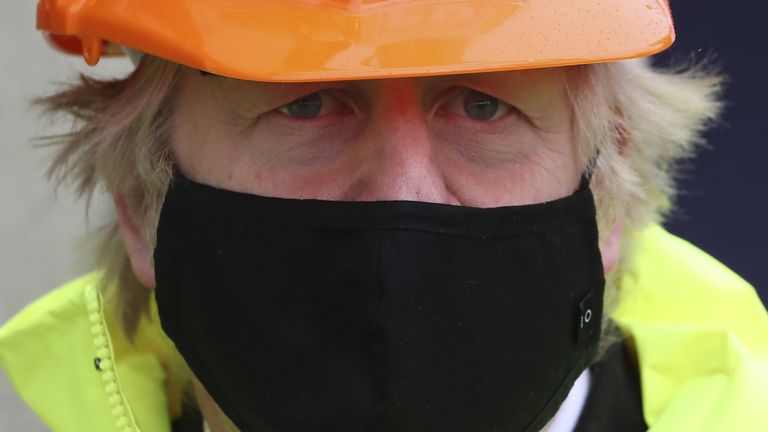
(305, 315)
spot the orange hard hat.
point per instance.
(323, 40)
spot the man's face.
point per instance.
(479, 140)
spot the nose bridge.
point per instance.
(402, 163)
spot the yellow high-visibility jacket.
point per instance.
(700, 334)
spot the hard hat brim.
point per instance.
(290, 40)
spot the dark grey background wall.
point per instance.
(724, 205)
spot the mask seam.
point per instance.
(380, 329)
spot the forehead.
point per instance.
(507, 84)
(512, 76)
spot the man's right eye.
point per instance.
(315, 105)
(304, 108)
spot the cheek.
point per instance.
(200, 151)
(517, 169)
(197, 143)
(290, 144)
(272, 157)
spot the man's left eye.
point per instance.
(479, 106)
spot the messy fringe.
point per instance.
(634, 123)
(119, 142)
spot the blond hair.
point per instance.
(634, 124)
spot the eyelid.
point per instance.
(283, 109)
(456, 96)
(333, 101)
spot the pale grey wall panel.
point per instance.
(39, 230)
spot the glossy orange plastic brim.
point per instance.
(316, 40)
